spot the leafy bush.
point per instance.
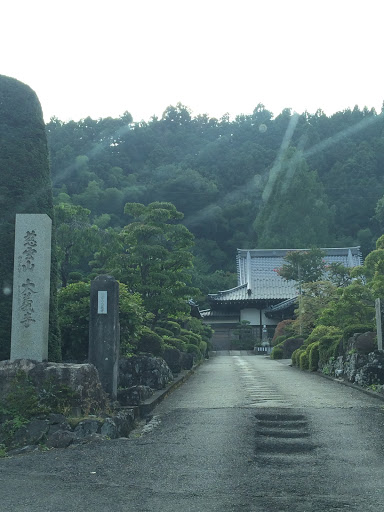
(354, 305)
(150, 342)
(322, 330)
(192, 349)
(74, 302)
(190, 337)
(176, 343)
(283, 328)
(296, 357)
(174, 327)
(196, 325)
(329, 347)
(304, 360)
(203, 347)
(313, 351)
(23, 398)
(132, 316)
(73, 309)
(161, 331)
(277, 352)
(24, 401)
(3, 452)
(290, 345)
(278, 339)
(329, 338)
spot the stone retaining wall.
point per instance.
(361, 364)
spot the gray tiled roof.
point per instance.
(209, 313)
(258, 279)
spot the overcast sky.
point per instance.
(99, 59)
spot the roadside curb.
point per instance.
(148, 405)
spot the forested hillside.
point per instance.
(258, 181)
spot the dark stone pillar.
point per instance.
(104, 331)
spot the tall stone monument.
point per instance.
(25, 188)
(104, 331)
(31, 287)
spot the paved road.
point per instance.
(243, 434)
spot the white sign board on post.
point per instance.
(102, 304)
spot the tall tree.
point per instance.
(294, 212)
(303, 266)
(77, 239)
(25, 187)
(158, 257)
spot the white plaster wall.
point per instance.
(220, 320)
(268, 321)
(251, 315)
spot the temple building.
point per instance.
(262, 297)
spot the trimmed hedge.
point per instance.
(277, 352)
(192, 349)
(176, 343)
(203, 347)
(163, 332)
(174, 327)
(314, 356)
(279, 339)
(150, 342)
(329, 347)
(296, 356)
(304, 360)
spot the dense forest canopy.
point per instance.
(257, 181)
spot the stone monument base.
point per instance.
(82, 379)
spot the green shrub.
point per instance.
(75, 277)
(23, 398)
(3, 452)
(329, 347)
(296, 357)
(304, 360)
(320, 331)
(277, 352)
(174, 327)
(150, 342)
(176, 343)
(191, 338)
(192, 349)
(191, 335)
(74, 301)
(283, 328)
(161, 331)
(196, 325)
(313, 350)
(290, 345)
(24, 401)
(203, 347)
(276, 341)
